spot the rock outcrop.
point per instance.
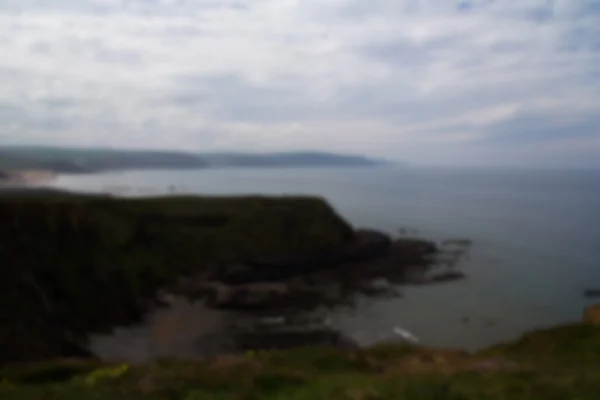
(74, 264)
(327, 278)
(591, 315)
(592, 293)
(366, 245)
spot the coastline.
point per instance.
(250, 268)
(269, 356)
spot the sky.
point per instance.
(431, 82)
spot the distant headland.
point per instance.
(73, 161)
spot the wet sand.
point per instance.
(183, 329)
(192, 330)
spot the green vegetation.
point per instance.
(575, 346)
(382, 372)
(74, 264)
(71, 264)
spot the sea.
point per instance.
(535, 240)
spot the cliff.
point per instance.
(75, 264)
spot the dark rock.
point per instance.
(413, 252)
(592, 293)
(265, 296)
(447, 276)
(366, 245)
(371, 265)
(457, 242)
(408, 231)
(378, 289)
(439, 277)
(591, 315)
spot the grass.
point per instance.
(522, 370)
(576, 346)
(78, 263)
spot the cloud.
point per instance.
(469, 81)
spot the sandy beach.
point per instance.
(30, 178)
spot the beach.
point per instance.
(29, 178)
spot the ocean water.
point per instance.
(536, 239)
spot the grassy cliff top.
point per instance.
(84, 263)
(542, 365)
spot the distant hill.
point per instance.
(290, 159)
(93, 160)
(68, 160)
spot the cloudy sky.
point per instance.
(492, 82)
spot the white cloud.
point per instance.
(421, 80)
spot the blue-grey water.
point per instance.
(536, 239)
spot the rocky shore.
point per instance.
(371, 264)
(275, 301)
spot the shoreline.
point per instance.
(561, 362)
(27, 178)
(202, 316)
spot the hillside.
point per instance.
(92, 160)
(559, 363)
(290, 159)
(63, 160)
(77, 264)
